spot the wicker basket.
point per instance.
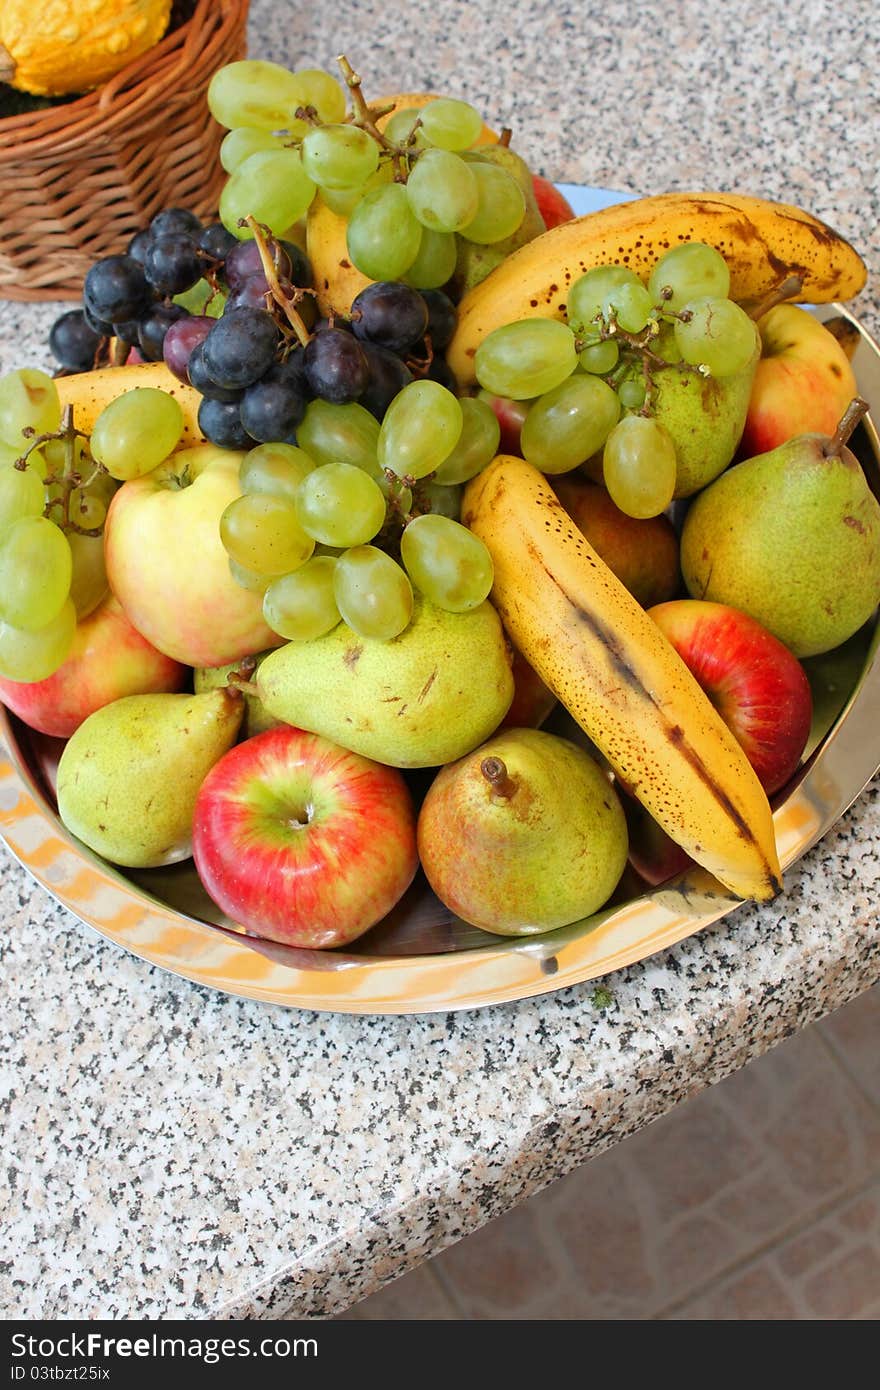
(81, 178)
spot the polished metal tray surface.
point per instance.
(421, 958)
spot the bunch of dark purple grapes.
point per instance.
(255, 374)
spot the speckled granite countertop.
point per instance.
(170, 1151)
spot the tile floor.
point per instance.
(759, 1198)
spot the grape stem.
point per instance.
(365, 117)
(71, 478)
(286, 302)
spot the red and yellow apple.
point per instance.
(109, 659)
(803, 382)
(643, 553)
(553, 206)
(758, 687)
(167, 566)
(301, 841)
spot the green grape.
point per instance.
(339, 156)
(202, 299)
(314, 87)
(630, 304)
(28, 400)
(262, 534)
(691, 271)
(501, 205)
(36, 568)
(441, 500)
(372, 593)
(36, 457)
(451, 124)
(86, 510)
(344, 201)
(275, 468)
(717, 335)
(599, 358)
(443, 191)
(588, 294)
(477, 444)
(399, 128)
(21, 493)
(340, 434)
(136, 432)
(301, 606)
(639, 466)
(340, 504)
(35, 655)
(398, 497)
(632, 394)
(525, 359)
(244, 141)
(89, 585)
(421, 427)
(56, 457)
(570, 423)
(273, 188)
(246, 579)
(447, 563)
(254, 93)
(435, 262)
(383, 235)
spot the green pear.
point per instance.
(475, 262)
(524, 835)
(791, 537)
(256, 718)
(129, 776)
(704, 415)
(424, 698)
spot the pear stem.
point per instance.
(851, 417)
(239, 679)
(499, 779)
(789, 289)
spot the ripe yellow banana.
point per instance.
(335, 279)
(610, 665)
(89, 392)
(763, 243)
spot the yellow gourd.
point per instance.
(60, 46)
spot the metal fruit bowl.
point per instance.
(421, 958)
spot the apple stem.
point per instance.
(789, 289)
(499, 779)
(851, 417)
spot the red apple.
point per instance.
(652, 853)
(758, 687)
(301, 841)
(642, 552)
(803, 382)
(553, 207)
(511, 417)
(109, 658)
(167, 566)
(532, 701)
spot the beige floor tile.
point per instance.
(854, 1033)
(418, 1295)
(757, 1293)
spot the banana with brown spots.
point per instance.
(610, 665)
(762, 242)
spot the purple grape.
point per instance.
(154, 326)
(116, 289)
(241, 347)
(127, 332)
(272, 408)
(172, 264)
(220, 421)
(97, 325)
(388, 375)
(181, 339)
(442, 318)
(73, 343)
(175, 222)
(139, 245)
(336, 367)
(248, 294)
(201, 379)
(216, 242)
(389, 314)
(242, 262)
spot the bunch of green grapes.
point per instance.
(406, 190)
(55, 488)
(346, 523)
(589, 381)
